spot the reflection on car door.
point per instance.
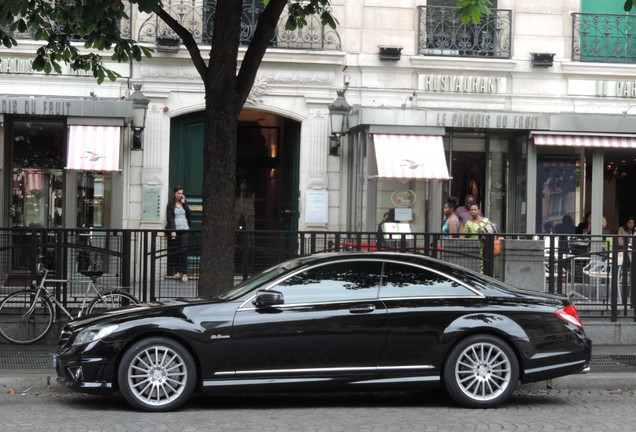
(331, 320)
(421, 303)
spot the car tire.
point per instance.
(157, 374)
(481, 371)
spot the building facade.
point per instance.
(530, 110)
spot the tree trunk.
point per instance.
(222, 108)
(225, 93)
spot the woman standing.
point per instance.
(452, 224)
(178, 217)
(476, 221)
(472, 227)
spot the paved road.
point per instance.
(531, 409)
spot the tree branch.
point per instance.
(265, 30)
(188, 41)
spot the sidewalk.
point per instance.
(29, 368)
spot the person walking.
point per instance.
(452, 224)
(178, 223)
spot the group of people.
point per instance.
(465, 219)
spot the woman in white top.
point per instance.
(178, 218)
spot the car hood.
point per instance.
(142, 309)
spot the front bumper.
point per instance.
(84, 374)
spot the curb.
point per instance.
(30, 382)
(589, 381)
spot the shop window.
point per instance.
(558, 179)
(93, 200)
(37, 173)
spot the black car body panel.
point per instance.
(350, 319)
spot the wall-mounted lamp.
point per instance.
(542, 59)
(338, 112)
(138, 121)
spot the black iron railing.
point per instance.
(594, 271)
(197, 16)
(603, 38)
(442, 33)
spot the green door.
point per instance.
(186, 167)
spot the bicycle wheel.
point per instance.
(110, 300)
(23, 322)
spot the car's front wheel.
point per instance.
(157, 374)
(482, 371)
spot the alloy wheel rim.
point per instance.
(483, 371)
(157, 375)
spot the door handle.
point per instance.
(365, 308)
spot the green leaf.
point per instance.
(629, 4)
(100, 76)
(112, 75)
(38, 63)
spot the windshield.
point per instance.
(261, 279)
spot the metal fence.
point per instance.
(594, 271)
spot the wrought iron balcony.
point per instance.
(442, 33)
(198, 16)
(607, 38)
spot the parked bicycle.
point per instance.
(26, 316)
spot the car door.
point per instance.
(331, 322)
(421, 303)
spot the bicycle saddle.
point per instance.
(92, 273)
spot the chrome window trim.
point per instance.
(382, 260)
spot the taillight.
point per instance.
(570, 315)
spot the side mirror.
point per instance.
(268, 298)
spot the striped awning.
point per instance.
(410, 156)
(605, 141)
(33, 179)
(93, 148)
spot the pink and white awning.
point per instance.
(93, 148)
(410, 156)
(604, 141)
(34, 180)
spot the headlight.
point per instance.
(93, 333)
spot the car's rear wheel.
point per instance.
(481, 371)
(157, 374)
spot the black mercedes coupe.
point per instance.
(327, 322)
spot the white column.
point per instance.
(314, 150)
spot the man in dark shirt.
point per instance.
(463, 213)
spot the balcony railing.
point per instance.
(441, 32)
(607, 38)
(198, 16)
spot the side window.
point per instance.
(341, 281)
(400, 280)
